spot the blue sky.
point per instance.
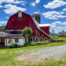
(52, 12)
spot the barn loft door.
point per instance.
(2, 41)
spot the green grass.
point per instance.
(8, 55)
(60, 38)
(52, 62)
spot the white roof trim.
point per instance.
(36, 23)
(44, 25)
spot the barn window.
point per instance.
(16, 40)
(19, 14)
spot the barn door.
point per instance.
(2, 41)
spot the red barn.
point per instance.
(20, 20)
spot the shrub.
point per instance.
(46, 42)
(13, 46)
(27, 44)
(33, 43)
(1, 47)
(36, 43)
(39, 43)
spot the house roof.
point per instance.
(8, 35)
(3, 34)
(15, 36)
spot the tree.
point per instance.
(27, 31)
(62, 33)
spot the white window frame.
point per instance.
(19, 14)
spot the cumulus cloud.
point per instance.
(54, 24)
(1, 6)
(58, 26)
(10, 9)
(3, 23)
(7, 17)
(53, 15)
(10, 1)
(37, 1)
(58, 29)
(64, 9)
(55, 4)
(23, 2)
(34, 3)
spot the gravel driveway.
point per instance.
(48, 52)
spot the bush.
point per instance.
(27, 44)
(46, 42)
(13, 46)
(1, 47)
(36, 43)
(39, 43)
(33, 43)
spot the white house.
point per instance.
(7, 39)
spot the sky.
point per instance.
(52, 12)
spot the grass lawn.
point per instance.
(8, 56)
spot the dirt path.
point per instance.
(48, 52)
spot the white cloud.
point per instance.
(3, 23)
(64, 9)
(37, 1)
(10, 1)
(1, 6)
(58, 26)
(0, 25)
(10, 9)
(7, 17)
(34, 3)
(58, 29)
(64, 23)
(55, 4)
(53, 25)
(23, 2)
(53, 15)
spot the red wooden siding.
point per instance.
(2, 42)
(14, 23)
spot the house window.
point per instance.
(16, 40)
